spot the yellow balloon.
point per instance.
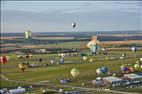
(136, 66)
(75, 72)
(23, 66)
(113, 74)
(91, 60)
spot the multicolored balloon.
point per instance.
(93, 44)
(4, 59)
(75, 72)
(23, 66)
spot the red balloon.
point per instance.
(3, 59)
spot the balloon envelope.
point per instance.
(23, 66)
(131, 69)
(75, 72)
(98, 71)
(84, 58)
(3, 59)
(91, 60)
(122, 67)
(73, 24)
(104, 70)
(136, 66)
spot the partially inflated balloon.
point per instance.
(75, 72)
(93, 44)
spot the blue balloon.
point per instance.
(104, 70)
(126, 69)
(62, 60)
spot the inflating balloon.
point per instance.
(23, 66)
(93, 44)
(75, 72)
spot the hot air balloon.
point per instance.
(136, 66)
(91, 60)
(73, 24)
(122, 67)
(84, 58)
(133, 49)
(62, 61)
(93, 45)
(3, 59)
(98, 71)
(23, 66)
(141, 59)
(75, 72)
(104, 70)
(114, 74)
(131, 69)
(141, 66)
(28, 35)
(52, 61)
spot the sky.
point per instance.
(57, 16)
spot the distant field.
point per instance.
(53, 73)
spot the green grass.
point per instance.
(55, 72)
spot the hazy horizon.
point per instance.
(57, 16)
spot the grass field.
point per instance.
(53, 73)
